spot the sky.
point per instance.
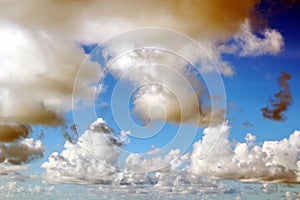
(147, 100)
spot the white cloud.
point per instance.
(275, 161)
(7, 168)
(246, 43)
(40, 56)
(167, 87)
(93, 159)
(37, 76)
(40, 51)
(14, 189)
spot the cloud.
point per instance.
(37, 76)
(20, 152)
(42, 51)
(41, 54)
(9, 133)
(93, 159)
(98, 20)
(274, 161)
(247, 44)
(36, 80)
(10, 189)
(6, 168)
(137, 163)
(168, 88)
(281, 101)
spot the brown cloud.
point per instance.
(42, 45)
(9, 133)
(41, 54)
(21, 152)
(215, 18)
(281, 100)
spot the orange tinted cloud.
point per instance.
(281, 100)
(9, 133)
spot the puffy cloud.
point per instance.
(36, 83)
(42, 56)
(37, 76)
(10, 189)
(20, 152)
(160, 174)
(246, 43)
(98, 20)
(42, 51)
(93, 159)
(275, 161)
(168, 88)
(9, 133)
(137, 163)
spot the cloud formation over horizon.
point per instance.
(41, 53)
(92, 159)
(273, 161)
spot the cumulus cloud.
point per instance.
(275, 161)
(41, 54)
(248, 44)
(36, 80)
(93, 159)
(36, 83)
(42, 51)
(37, 76)
(281, 101)
(168, 88)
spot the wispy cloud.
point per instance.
(281, 100)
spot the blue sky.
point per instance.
(256, 81)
